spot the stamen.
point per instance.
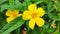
(34, 15)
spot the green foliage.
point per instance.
(1, 1)
(52, 12)
(12, 26)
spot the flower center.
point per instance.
(34, 15)
(14, 15)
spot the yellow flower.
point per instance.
(12, 14)
(34, 14)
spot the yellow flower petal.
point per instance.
(15, 13)
(32, 7)
(9, 13)
(40, 12)
(9, 19)
(39, 21)
(26, 15)
(32, 23)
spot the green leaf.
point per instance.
(50, 30)
(2, 20)
(25, 5)
(14, 5)
(1, 1)
(18, 24)
(50, 6)
(6, 6)
(18, 3)
(11, 7)
(46, 1)
(58, 5)
(36, 30)
(11, 2)
(27, 2)
(18, 31)
(27, 25)
(12, 26)
(58, 14)
(38, 2)
(32, 32)
(53, 17)
(56, 32)
(46, 25)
